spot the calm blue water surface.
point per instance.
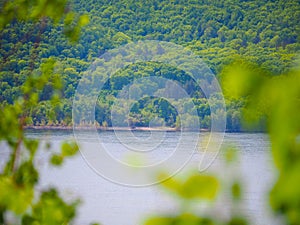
(113, 204)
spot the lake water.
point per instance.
(113, 204)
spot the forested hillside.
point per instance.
(261, 32)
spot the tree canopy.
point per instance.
(266, 33)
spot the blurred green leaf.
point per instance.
(50, 210)
(159, 221)
(241, 79)
(26, 174)
(69, 149)
(83, 20)
(182, 219)
(236, 191)
(56, 160)
(14, 197)
(230, 155)
(31, 146)
(31, 10)
(196, 186)
(200, 186)
(286, 191)
(237, 221)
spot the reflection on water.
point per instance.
(110, 203)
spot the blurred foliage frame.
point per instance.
(19, 177)
(275, 99)
(269, 101)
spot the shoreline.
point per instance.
(87, 128)
(99, 128)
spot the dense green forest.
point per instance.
(40, 72)
(262, 32)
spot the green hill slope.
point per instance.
(264, 32)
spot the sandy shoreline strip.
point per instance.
(101, 128)
(87, 128)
